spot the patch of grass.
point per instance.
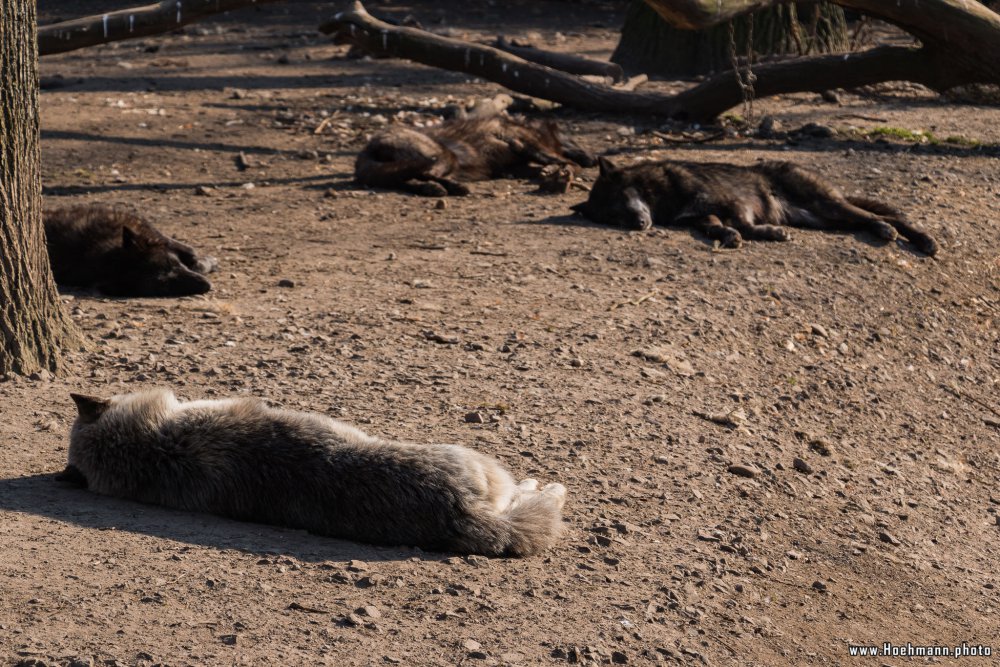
(918, 136)
(921, 136)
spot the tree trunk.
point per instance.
(33, 325)
(650, 45)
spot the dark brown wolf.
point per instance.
(241, 459)
(435, 162)
(120, 254)
(729, 203)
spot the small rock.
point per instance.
(285, 282)
(619, 658)
(887, 537)
(471, 645)
(821, 446)
(369, 611)
(742, 470)
(793, 555)
(802, 466)
(441, 204)
(819, 330)
(661, 459)
(204, 191)
(228, 640)
(307, 154)
(830, 96)
(819, 586)
(357, 566)
(475, 417)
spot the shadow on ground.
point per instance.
(42, 495)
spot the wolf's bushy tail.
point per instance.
(528, 527)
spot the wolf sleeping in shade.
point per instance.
(729, 203)
(120, 254)
(241, 459)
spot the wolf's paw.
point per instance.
(556, 490)
(730, 238)
(528, 485)
(885, 231)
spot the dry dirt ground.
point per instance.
(877, 368)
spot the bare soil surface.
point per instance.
(771, 453)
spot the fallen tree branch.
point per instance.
(131, 23)
(961, 33)
(704, 101)
(359, 27)
(566, 62)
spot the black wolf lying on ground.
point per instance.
(120, 254)
(241, 459)
(729, 203)
(433, 162)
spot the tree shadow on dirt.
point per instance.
(819, 146)
(577, 220)
(41, 495)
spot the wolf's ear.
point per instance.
(606, 166)
(90, 407)
(130, 239)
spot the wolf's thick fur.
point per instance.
(120, 254)
(241, 459)
(434, 162)
(730, 203)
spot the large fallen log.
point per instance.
(702, 102)
(131, 23)
(959, 36)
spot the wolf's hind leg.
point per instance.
(453, 188)
(913, 232)
(712, 227)
(424, 188)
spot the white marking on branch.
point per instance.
(104, 20)
(131, 22)
(468, 57)
(385, 39)
(503, 67)
(178, 11)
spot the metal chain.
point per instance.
(745, 77)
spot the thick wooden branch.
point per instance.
(702, 102)
(131, 23)
(816, 74)
(565, 62)
(378, 37)
(962, 32)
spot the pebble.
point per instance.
(471, 645)
(441, 204)
(819, 330)
(475, 417)
(888, 538)
(819, 586)
(285, 282)
(802, 466)
(357, 566)
(742, 470)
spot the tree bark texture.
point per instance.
(650, 45)
(33, 325)
(131, 23)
